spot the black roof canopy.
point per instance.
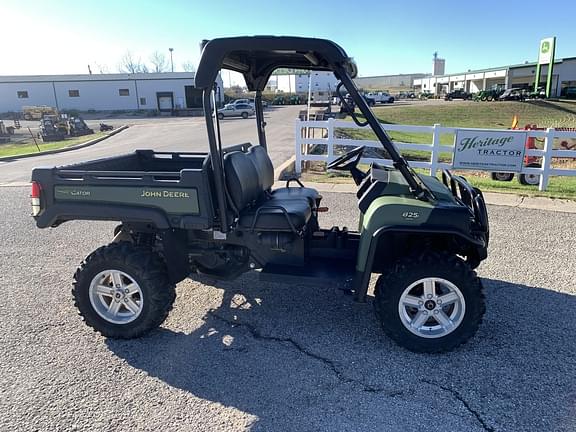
(256, 57)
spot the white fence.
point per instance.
(315, 133)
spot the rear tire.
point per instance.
(502, 176)
(244, 115)
(221, 116)
(446, 317)
(123, 291)
(391, 100)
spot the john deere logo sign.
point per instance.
(489, 150)
(546, 50)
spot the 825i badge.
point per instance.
(410, 215)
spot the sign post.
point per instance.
(490, 150)
(545, 56)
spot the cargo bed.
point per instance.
(167, 190)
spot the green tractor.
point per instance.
(487, 95)
(219, 214)
(279, 100)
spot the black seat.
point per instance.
(276, 215)
(261, 160)
(253, 206)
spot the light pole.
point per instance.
(171, 59)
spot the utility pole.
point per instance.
(171, 59)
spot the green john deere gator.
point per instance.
(218, 214)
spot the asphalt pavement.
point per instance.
(247, 355)
(168, 134)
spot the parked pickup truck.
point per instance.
(458, 94)
(379, 97)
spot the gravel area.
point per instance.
(269, 357)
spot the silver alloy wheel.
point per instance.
(532, 179)
(116, 296)
(432, 307)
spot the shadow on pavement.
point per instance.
(300, 358)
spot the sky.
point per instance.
(64, 37)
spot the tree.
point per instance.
(102, 68)
(158, 61)
(129, 64)
(188, 66)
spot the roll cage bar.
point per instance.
(256, 58)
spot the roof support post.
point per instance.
(216, 161)
(261, 124)
(398, 161)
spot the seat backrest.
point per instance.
(242, 180)
(259, 157)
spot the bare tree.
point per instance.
(102, 68)
(188, 66)
(158, 61)
(129, 64)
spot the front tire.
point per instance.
(432, 303)
(530, 179)
(123, 291)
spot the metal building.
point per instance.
(513, 76)
(168, 91)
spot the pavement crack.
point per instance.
(327, 362)
(456, 394)
(522, 198)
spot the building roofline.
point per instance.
(424, 75)
(513, 66)
(97, 77)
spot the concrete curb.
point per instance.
(284, 168)
(492, 198)
(65, 149)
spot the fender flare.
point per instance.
(362, 278)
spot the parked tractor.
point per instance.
(487, 95)
(78, 127)
(51, 130)
(531, 161)
(37, 112)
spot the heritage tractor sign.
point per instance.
(489, 150)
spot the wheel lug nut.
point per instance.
(425, 312)
(439, 301)
(126, 290)
(429, 296)
(436, 312)
(420, 303)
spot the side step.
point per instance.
(317, 271)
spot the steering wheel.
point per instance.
(345, 162)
